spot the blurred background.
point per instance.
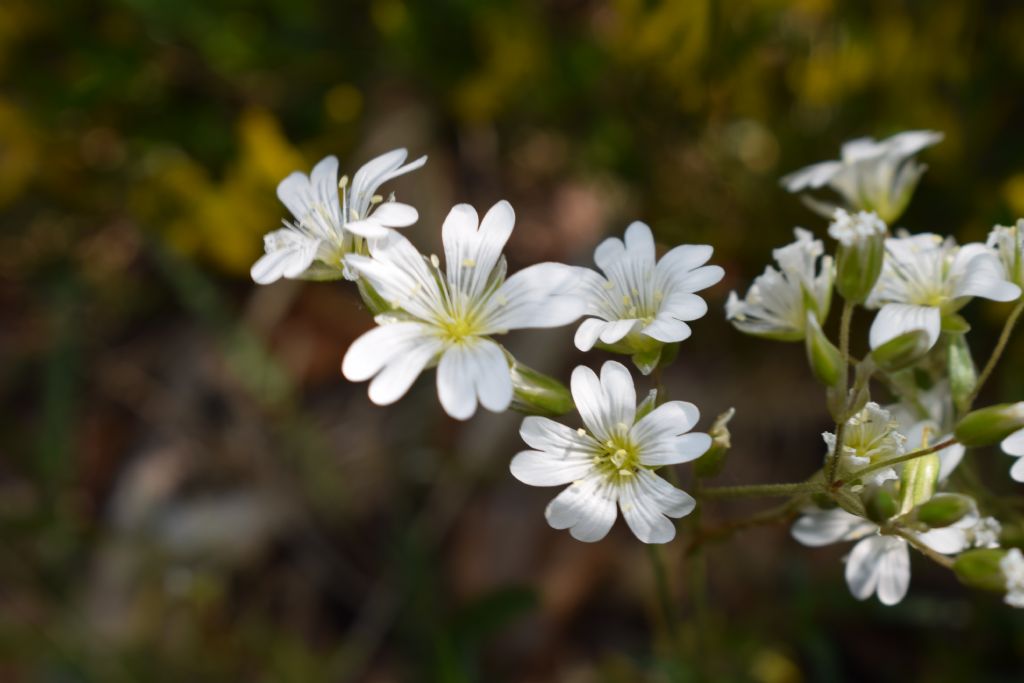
(189, 491)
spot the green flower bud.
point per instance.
(963, 378)
(824, 358)
(902, 351)
(980, 569)
(990, 425)
(917, 481)
(649, 403)
(943, 509)
(880, 504)
(711, 463)
(860, 254)
(535, 393)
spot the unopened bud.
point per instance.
(990, 425)
(824, 358)
(902, 351)
(535, 393)
(943, 509)
(917, 481)
(711, 463)
(860, 253)
(880, 504)
(963, 378)
(649, 403)
(981, 569)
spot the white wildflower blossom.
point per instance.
(869, 437)
(1014, 445)
(879, 563)
(641, 300)
(926, 277)
(985, 532)
(329, 224)
(1008, 242)
(871, 175)
(777, 303)
(1012, 566)
(851, 229)
(448, 318)
(612, 461)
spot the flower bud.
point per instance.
(860, 254)
(963, 378)
(990, 425)
(824, 358)
(917, 481)
(711, 463)
(649, 403)
(902, 351)
(535, 393)
(980, 568)
(880, 504)
(943, 509)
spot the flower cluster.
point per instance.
(901, 398)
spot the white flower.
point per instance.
(777, 303)
(879, 563)
(871, 175)
(448, 319)
(870, 436)
(1014, 445)
(851, 229)
(1012, 566)
(612, 461)
(328, 225)
(925, 277)
(639, 295)
(1008, 242)
(985, 532)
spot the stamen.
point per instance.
(376, 199)
(343, 182)
(434, 261)
(468, 262)
(581, 431)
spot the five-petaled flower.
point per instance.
(327, 224)
(611, 462)
(777, 303)
(641, 303)
(870, 175)
(448, 318)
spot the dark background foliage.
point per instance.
(190, 491)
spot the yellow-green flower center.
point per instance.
(618, 458)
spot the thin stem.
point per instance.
(761, 490)
(780, 513)
(845, 320)
(997, 353)
(874, 467)
(664, 596)
(932, 555)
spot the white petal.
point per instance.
(640, 241)
(684, 258)
(542, 295)
(588, 333)
(589, 396)
(660, 435)
(378, 347)
(948, 540)
(949, 459)
(823, 527)
(375, 173)
(893, 571)
(609, 251)
(863, 566)
(699, 279)
(493, 379)
(1014, 443)
(545, 434)
(616, 330)
(395, 215)
(1017, 471)
(676, 449)
(456, 386)
(394, 380)
(401, 276)
(587, 509)
(619, 402)
(369, 228)
(896, 319)
(640, 501)
(545, 469)
(666, 329)
(468, 372)
(984, 277)
(814, 176)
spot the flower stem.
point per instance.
(664, 597)
(859, 474)
(997, 353)
(932, 555)
(761, 490)
(845, 320)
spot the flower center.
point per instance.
(458, 329)
(618, 458)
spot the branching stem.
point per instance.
(993, 360)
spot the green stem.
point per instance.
(932, 555)
(845, 320)
(761, 490)
(997, 353)
(859, 474)
(664, 597)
